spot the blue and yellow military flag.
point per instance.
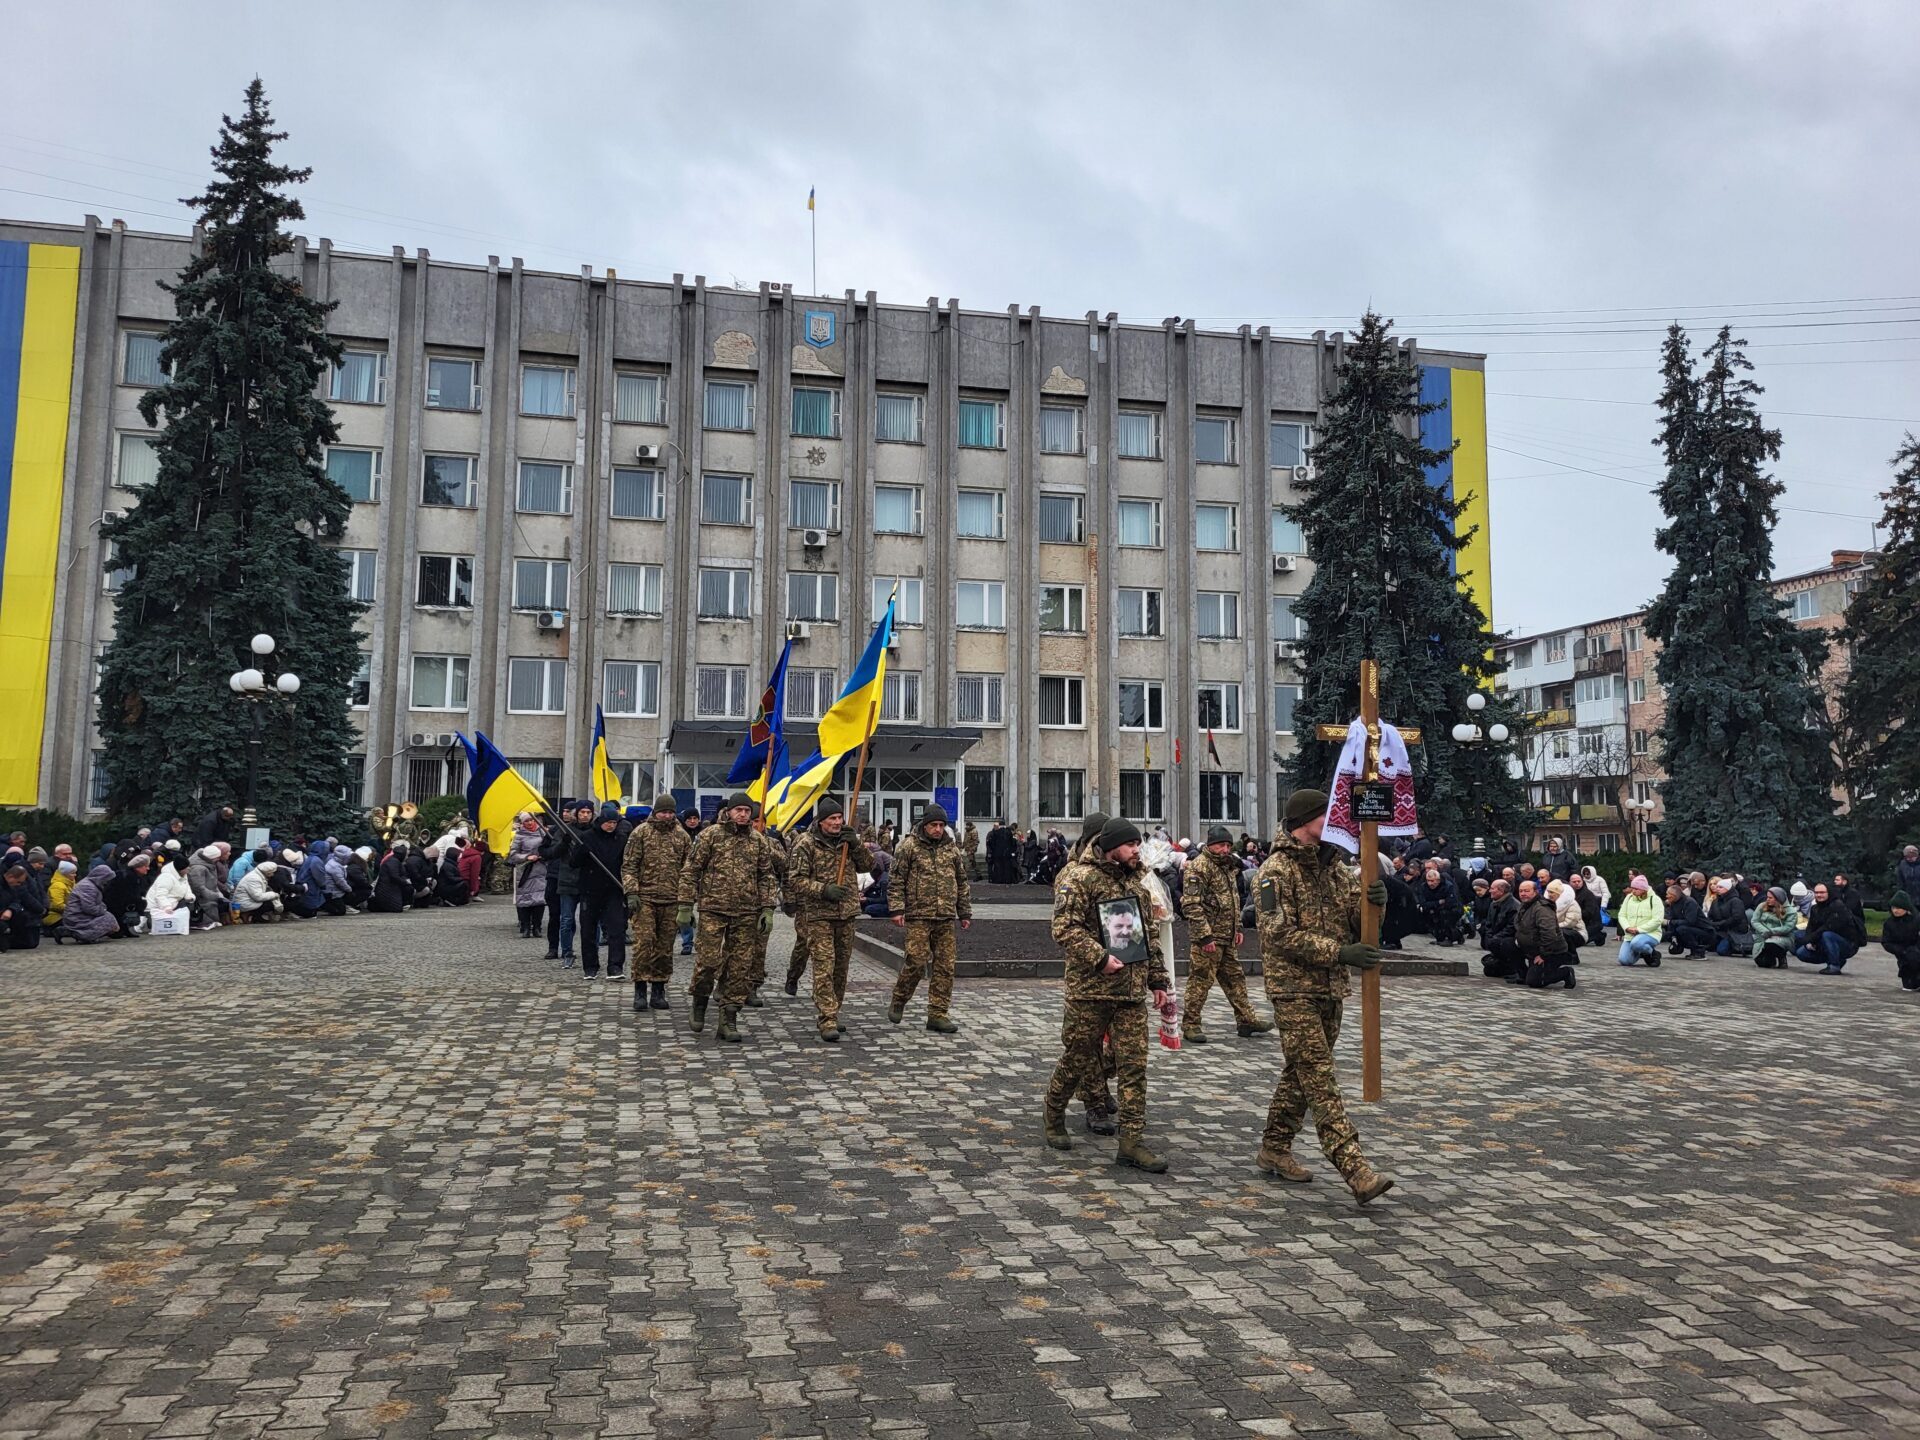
(810, 197)
(496, 793)
(850, 721)
(791, 798)
(606, 780)
(473, 772)
(765, 733)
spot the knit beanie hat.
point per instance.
(1091, 827)
(36, 853)
(1901, 900)
(933, 814)
(739, 798)
(1775, 892)
(826, 808)
(1302, 806)
(1638, 885)
(67, 867)
(1219, 835)
(1118, 832)
(608, 811)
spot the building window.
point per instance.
(1063, 609)
(1061, 518)
(1137, 435)
(1286, 624)
(536, 687)
(1286, 535)
(545, 488)
(640, 399)
(897, 509)
(982, 792)
(816, 413)
(729, 405)
(1219, 707)
(981, 515)
(1556, 648)
(1286, 444)
(1804, 605)
(1063, 430)
(542, 775)
(983, 424)
(360, 687)
(1285, 697)
(118, 574)
(359, 379)
(452, 384)
(908, 610)
(980, 605)
(1219, 797)
(1520, 657)
(639, 495)
(1062, 702)
(1560, 745)
(1063, 794)
(1216, 440)
(439, 682)
(98, 781)
(363, 569)
(899, 419)
(1640, 744)
(900, 697)
(1142, 705)
(353, 789)
(1216, 615)
(810, 693)
(720, 692)
(1592, 741)
(449, 480)
(138, 463)
(1139, 614)
(1634, 635)
(1143, 795)
(726, 499)
(1638, 690)
(445, 581)
(633, 589)
(980, 700)
(631, 687)
(1216, 527)
(1140, 523)
(143, 367)
(812, 595)
(725, 593)
(813, 504)
(540, 584)
(355, 471)
(439, 773)
(546, 390)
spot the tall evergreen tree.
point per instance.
(1749, 780)
(236, 535)
(1881, 740)
(1383, 545)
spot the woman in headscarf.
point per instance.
(89, 917)
(65, 874)
(529, 876)
(392, 891)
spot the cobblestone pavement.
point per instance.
(404, 1176)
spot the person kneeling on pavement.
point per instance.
(1834, 933)
(1542, 942)
(1687, 930)
(1641, 918)
(1900, 938)
(1727, 918)
(1502, 960)
(1775, 922)
(1439, 902)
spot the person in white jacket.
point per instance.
(254, 894)
(1597, 883)
(169, 890)
(1566, 914)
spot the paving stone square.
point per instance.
(404, 1176)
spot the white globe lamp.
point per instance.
(288, 684)
(263, 644)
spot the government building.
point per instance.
(581, 489)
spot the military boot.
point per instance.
(754, 1002)
(657, 996)
(940, 1024)
(729, 1028)
(699, 1021)
(896, 1012)
(829, 1033)
(1099, 1120)
(1249, 1028)
(1133, 1151)
(1055, 1127)
(1281, 1164)
(1368, 1183)
(793, 985)
(1194, 1037)
(639, 997)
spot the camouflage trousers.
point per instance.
(1203, 972)
(930, 948)
(757, 976)
(723, 950)
(1095, 1083)
(654, 925)
(1124, 1023)
(829, 944)
(797, 962)
(1308, 1029)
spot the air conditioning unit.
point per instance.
(646, 452)
(1286, 649)
(798, 630)
(1285, 564)
(814, 539)
(444, 740)
(893, 645)
(1303, 472)
(420, 741)
(551, 620)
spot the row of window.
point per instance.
(552, 391)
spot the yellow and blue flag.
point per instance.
(766, 732)
(850, 721)
(606, 780)
(792, 797)
(497, 792)
(810, 197)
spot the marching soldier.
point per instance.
(927, 893)
(1099, 904)
(1308, 901)
(1095, 1093)
(650, 874)
(970, 850)
(821, 878)
(778, 846)
(1210, 903)
(729, 876)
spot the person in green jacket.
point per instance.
(1775, 921)
(1640, 917)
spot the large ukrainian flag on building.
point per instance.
(39, 289)
(1463, 475)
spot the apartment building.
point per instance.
(581, 489)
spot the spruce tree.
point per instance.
(1383, 541)
(1749, 778)
(236, 535)
(1882, 690)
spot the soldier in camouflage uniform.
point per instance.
(1210, 903)
(927, 892)
(729, 875)
(822, 879)
(650, 875)
(1308, 901)
(970, 850)
(1095, 1093)
(1105, 997)
(758, 977)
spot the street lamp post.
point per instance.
(1471, 734)
(251, 684)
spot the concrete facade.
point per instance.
(1024, 477)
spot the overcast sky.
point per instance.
(1546, 183)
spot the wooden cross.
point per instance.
(1370, 913)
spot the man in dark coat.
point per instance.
(126, 893)
(1557, 862)
(1834, 933)
(22, 907)
(563, 870)
(1542, 944)
(421, 875)
(1439, 904)
(1502, 958)
(1002, 867)
(1687, 930)
(597, 852)
(449, 884)
(214, 828)
(391, 888)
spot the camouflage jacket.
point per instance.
(782, 862)
(655, 855)
(1210, 899)
(815, 863)
(730, 872)
(929, 880)
(1078, 893)
(1307, 899)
